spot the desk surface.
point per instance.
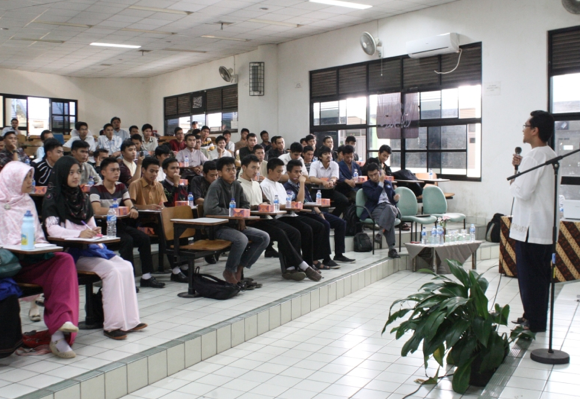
(435, 180)
(77, 240)
(314, 205)
(200, 221)
(260, 213)
(104, 217)
(149, 211)
(42, 249)
(408, 181)
(233, 217)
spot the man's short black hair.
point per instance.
(292, 163)
(51, 144)
(107, 161)
(177, 129)
(274, 139)
(167, 162)
(126, 144)
(245, 129)
(310, 137)
(78, 144)
(258, 147)
(224, 161)
(188, 135)
(262, 133)
(195, 131)
(133, 127)
(226, 132)
(205, 127)
(251, 135)
(347, 149)
(296, 147)
(326, 138)
(115, 118)
(13, 119)
(79, 124)
(307, 148)
(324, 149)
(148, 161)
(350, 139)
(386, 148)
(106, 125)
(340, 149)
(209, 165)
(100, 151)
(303, 141)
(250, 158)
(43, 134)
(544, 121)
(219, 138)
(372, 167)
(137, 136)
(146, 126)
(162, 150)
(274, 163)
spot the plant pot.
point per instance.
(480, 379)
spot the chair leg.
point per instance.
(373, 238)
(400, 230)
(90, 322)
(463, 223)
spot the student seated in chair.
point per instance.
(102, 196)
(174, 191)
(52, 152)
(80, 152)
(325, 168)
(200, 184)
(382, 204)
(347, 167)
(130, 163)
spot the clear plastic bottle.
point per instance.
(561, 200)
(190, 200)
(33, 189)
(472, 232)
(186, 161)
(424, 236)
(319, 197)
(91, 182)
(276, 204)
(288, 201)
(27, 161)
(232, 206)
(257, 176)
(112, 221)
(434, 240)
(430, 173)
(440, 234)
(27, 234)
(355, 176)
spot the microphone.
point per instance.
(518, 152)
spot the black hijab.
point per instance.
(63, 201)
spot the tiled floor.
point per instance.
(338, 352)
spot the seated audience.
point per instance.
(327, 169)
(100, 155)
(178, 143)
(104, 195)
(220, 149)
(174, 191)
(351, 140)
(130, 163)
(149, 142)
(147, 193)
(308, 156)
(134, 129)
(120, 133)
(327, 141)
(206, 142)
(54, 272)
(200, 184)
(311, 141)
(296, 154)
(278, 148)
(192, 156)
(12, 128)
(52, 153)
(338, 155)
(45, 135)
(194, 126)
(80, 152)
(1, 144)
(265, 136)
(248, 243)
(296, 186)
(252, 140)
(137, 140)
(287, 237)
(382, 205)
(347, 167)
(243, 140)
(109, 141)
(230, 146)
(11, 152)
(67, 213)
(384, 154)
(263, 165)
(162, 153)
(83, 134)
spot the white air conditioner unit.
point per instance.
(441, 44)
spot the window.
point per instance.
(430, 121)
(216, 108)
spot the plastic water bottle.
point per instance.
(112, 221)
(440, 238)
(472, 232)
(424, 236)
(561, 200)
(276, 204)
(434, 239)
(319, 197)
(288, 201)
(186, 161)
(27, 235)
(27, 161)
(232, 206)
(33, 189)
(190, 200)
(258, 176)
(355, 176)
(430, 174)
(91, 182)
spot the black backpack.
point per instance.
(209, 286)
(353, 225)
(493, 231)
(362, 243)
(405, 174)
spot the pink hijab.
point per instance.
(14, 204)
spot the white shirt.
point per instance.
(215, 154)
(287, 158)
(10, 129)
(150, 145)
(89, 139)
(231, 147)
(39, 155)
(271, 189)
(252, 191)
(196, 157)
(122, 134)
(112, 145)
(317, 169)
(161, 175)
(533, 214)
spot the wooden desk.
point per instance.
(314, 205)
(432, 181)
(232, 217)
(407, 181)
(260, 213)
(77, 242)
(44, 249)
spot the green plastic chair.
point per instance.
(435, 204)
(408, 207)
(361, 200)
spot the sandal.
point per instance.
(34, 313)
(520, 320)
(63, 355)
(245, 287)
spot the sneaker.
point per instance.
(295, 275)
(151, 282)
(342, 258)
(115, 334)
(393, 254)
(271, 253)
(312, 274)
(329, 263)
(211, 259)
(179, 277)
(138, 327)
(378, 238)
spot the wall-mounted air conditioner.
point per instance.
(441, 44)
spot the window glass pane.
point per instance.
(316, 114)
(434, 134)
(361, 141)
(184, 123)
(214, 121)
(431, 105)
(229, 120)
(170, 125)
(449, 103)
(333, 112)
(474, 150)
(373, 109)
(434, 163)
(356, 109)
(470, 101)
(376, 143)
(566, 93)
(200, 119)
(72, 108)
(15, 108)
(454, 137)
(416, 162)
(38, 115)
(453, 163)
(567, 139)
(57, 123)
(419, 143)
(57, 108)
(72, 121)
(65, 108)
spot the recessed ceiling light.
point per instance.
(165, 10)
(115, 45)
(338, 3)
(26, 39)
(184, 50)
(224, 38)
(64, 24)
(157, 32)
(265, 21)
(3, 28)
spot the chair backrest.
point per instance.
(434, 200)
(176, 212)
(408, 202)
(361, 200)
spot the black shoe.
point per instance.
(312, 274)
(342, 258)
(179, 277)
(151, 282)
(271, 253)
(519, 320)
(116, 334)
(393, 254)
(296, 275)
(211, 259)
(137, 290)
(331, 264)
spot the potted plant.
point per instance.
(452, 322)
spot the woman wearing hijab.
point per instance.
(54, 272)
(67, 212)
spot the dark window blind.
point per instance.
(323, 83)
(230, 97)
(352, 79)
(418, 72)
(183, 104)
(564, 51)
(214, 100)
(170, 106)
(469, 69)
(385, 75)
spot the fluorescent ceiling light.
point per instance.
(115, 45)
(347, 4)
(38, 40)
(63, 24)
(265, 21)
(157, 32)
(224, 38)
(184, 50)
(165, 10)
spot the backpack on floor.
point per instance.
(353, 225)
(208, 286)
(362, 243)
(493, 230)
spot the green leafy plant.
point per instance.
(452, 323)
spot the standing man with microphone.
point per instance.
(533, 218)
